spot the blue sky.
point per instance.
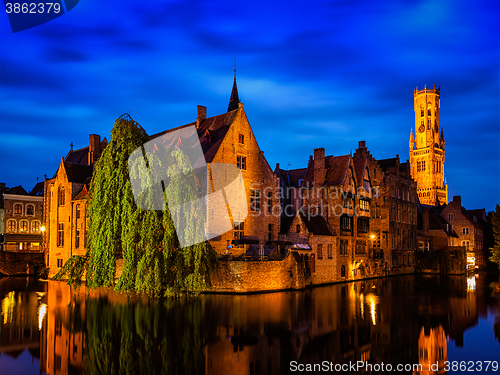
(310, 74)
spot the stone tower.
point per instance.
(427, 148)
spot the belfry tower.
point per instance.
(427, 148)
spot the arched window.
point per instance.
(35, 226)
(342, 271)
(30, 210)
(60, 196)
(12, 226)
(18, 209)
(23, 226)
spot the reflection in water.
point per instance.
(398, 320)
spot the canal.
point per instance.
(406, 321)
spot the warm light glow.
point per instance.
(8, 304)
(42, 229)
(373, 300)
(42, 311)
(471, 283)
(372, 236)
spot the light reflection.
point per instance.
(42, 311)
(8, 304)
(373, 300)
(471, 283)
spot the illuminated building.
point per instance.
(427, 148)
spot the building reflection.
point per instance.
(380, 321)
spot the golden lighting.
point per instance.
(373, 300)
(372, 236)
(8, 304)
(42, 229)
(471, 283)
(42, 311)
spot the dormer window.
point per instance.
(241, 139)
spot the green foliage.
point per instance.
(146, 240)
(495, 223)
(73, 270)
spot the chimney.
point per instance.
(94, 148)
(319, 166)
(277, 165)
(458, 200)
(201, 115)
(362, 144)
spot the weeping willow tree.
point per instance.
(146, 239)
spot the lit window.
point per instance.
(330, 251)
(364, 205)
(35, 226)
(12, 226)
(320, 251)
(18, 209)
(23, 226)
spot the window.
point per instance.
(77, 211)
(60, 234)
(330, 251)
(60, 196)
(421, 113)
(297, 228)
(270, 230)
(450, 217)
(347, 202)
(342, 271)
(77, 239)
(23, 226)
(18, 209)
(12, 226)
(346, 223)
(320, 251)
(344, 245)
(239, 230)
(364, 205)
(30, 210)
(59, 262)
(35, 226)
(269, 202)
(429, 124)
(429, 112)
(241, 138)
(465, 230)
(254, 200)
(363, 225)
(241, 162)
(360, 247)
(466, 244)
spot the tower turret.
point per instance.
(427, 147)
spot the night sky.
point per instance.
(310, 74)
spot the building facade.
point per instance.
(22, 222)
(427, 148)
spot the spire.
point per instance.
(234, 100)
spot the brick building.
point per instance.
(64, 205)
(470, 232)
(21, 217)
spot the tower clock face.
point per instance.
(421, 128)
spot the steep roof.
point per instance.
(291, 176)
(217, 127)
(336, 169)
(78, 173)
(19, 190)
(387, 164)
(359, 168)
(37, 189)
(81, 156)
(234, 99)
(316, 225)
(437, 222)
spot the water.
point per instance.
(49, 328)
